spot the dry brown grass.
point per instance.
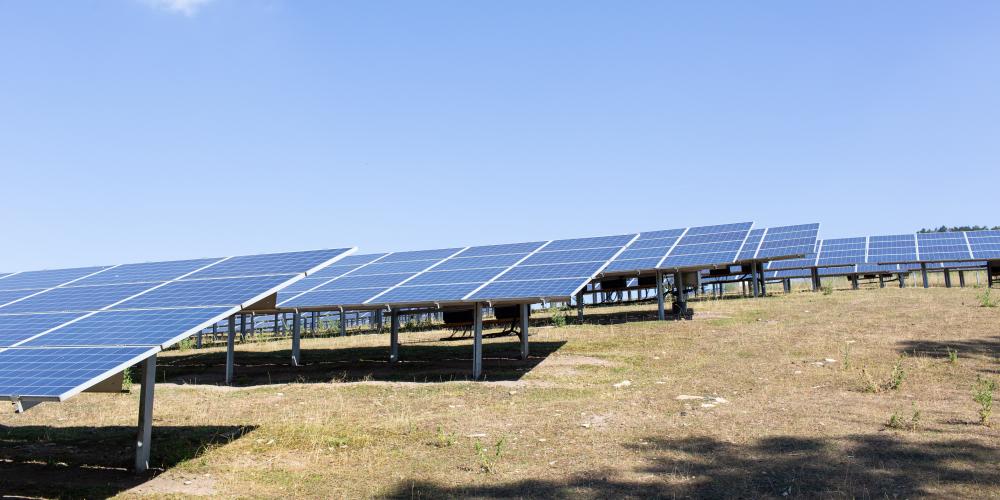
(792, 424)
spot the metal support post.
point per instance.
(394, 336)
(881, 281)
(660, 313)
(763, 280)
(525, 309)
(755, 284)
(198, 339)
(477, 341)
(923, 272)
(902, 280)
(142, 442)
(296, 336)
(961, 279)
(854, 282)
(343, 323)
(579, 307)
(243, 328)
(681, 295)
(230, 349)
(947, 278)
(787, 284)
(816, 282)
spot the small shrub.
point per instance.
(443, 439)
(898, 375)
(982, 393)
(895, 421)
(185, 344)
(868, 383)
(986, 298)
(952, 355)
(127, 380)
(558, 317)
(827, 289)
(489, 457)
(846, 355)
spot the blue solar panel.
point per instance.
(16, 328)
(788, 241)
(148, 272)
(157, 327)
(46, 279)
(708, 246)
(514, 290)
(842, 251)
(506, 249)
(82, 298)
(278, 263)
(321, 298)
(892, 249)
(584, 243)
(184, 308)
(420, 255)
(573, 270)
(57, 373)
(366, 281)
(943, 247)
(624, 266)
(7, 296)
(985, 244)
(429, 293)
(457, 276)
(210, 292)
(751, 246)
(381, 267)
(567, 256)
(487, 261)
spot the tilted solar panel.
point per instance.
(59, 337)
(985, 245)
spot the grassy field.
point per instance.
(784, 396)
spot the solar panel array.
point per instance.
(64, 330)
(517, 271)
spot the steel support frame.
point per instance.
(923, 273)
(579, 307)
(394, 336)
(296, 338)
(525, 310)
(477, 341)
(817, 284)
(681, 295)
(230, 349)
(961, 278)
(145, 432)
(754, 281)
(660, 313)
(947, 278)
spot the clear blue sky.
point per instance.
(138, 130)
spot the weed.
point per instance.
(558, 317)
(846, 355)
(952, 355)
(898, 375)
(986, 298)
(443, 439)
(982, 393)
(827, 289)
(897, 421)
(488, 458)
(127, 380)
(185, 344)
(896, 378)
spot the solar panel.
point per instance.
(753, 242)
(892, 249)
(787, 241)
(707, 246)
(59, 337)
(985, 245)
(943, 246)
(842, 251)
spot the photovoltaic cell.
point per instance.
(985, 244)
(842, 251)
(16, 328)
(83, 298)
(157, 327)
(788, 241)
(892, 249)
(46, 279)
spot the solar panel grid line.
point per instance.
(745, 238)
(916, 245)
(8, 275)
(335, 278)
(965, 235)
(113, 304)
(608, 263)
(867, 247)
(819, 252)
(57, 286)
(763, 237)
(401, 283)
(672, 247)
(505, 271)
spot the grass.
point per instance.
(346, 425)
